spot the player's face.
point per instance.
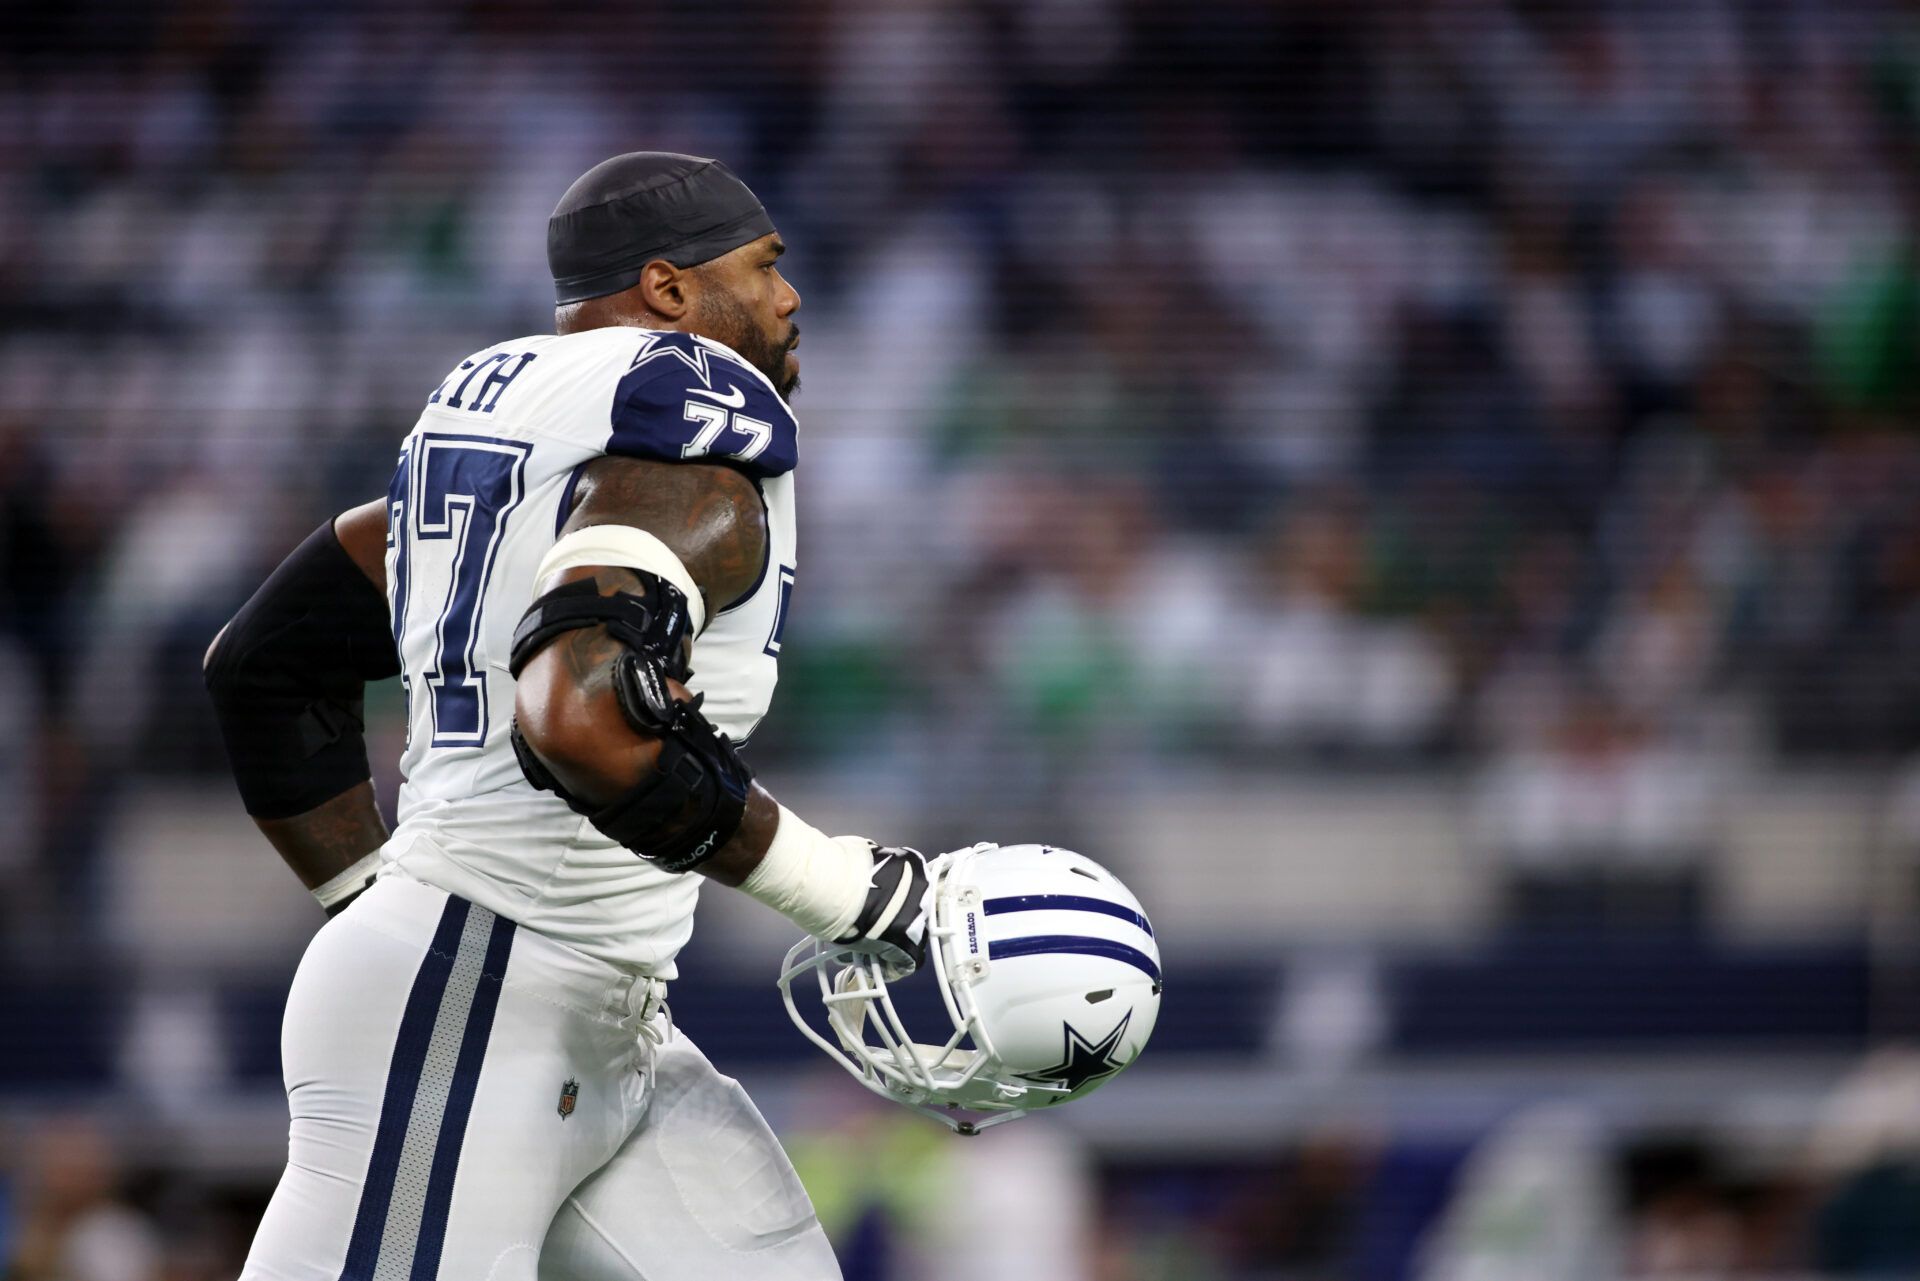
(747, 304)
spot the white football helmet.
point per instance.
(1050, 975)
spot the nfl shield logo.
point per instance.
(568, 1093)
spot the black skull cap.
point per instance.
(625, 212)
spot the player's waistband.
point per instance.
(408, 909)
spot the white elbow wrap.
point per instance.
(818, 882)
(626, 546)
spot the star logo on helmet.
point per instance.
(1083, 1060)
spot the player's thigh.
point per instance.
(337, 1037)
(556, 1099)
(700, 1190)
(426, 1137)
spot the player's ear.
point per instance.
(665, 288)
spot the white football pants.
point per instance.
(472, 1101)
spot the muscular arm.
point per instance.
(713, 520)
(324, 841)
(363, 532)
(846, 889)
(329, 838)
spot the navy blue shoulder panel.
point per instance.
(683, 400)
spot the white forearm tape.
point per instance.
(818, 882)
(349, 882)
(624, 545)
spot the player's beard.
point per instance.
(725, 320)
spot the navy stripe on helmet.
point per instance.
(1065, 903)
(1085, 945)
(403, 1083)
(453, 1122)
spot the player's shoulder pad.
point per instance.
(686, 398)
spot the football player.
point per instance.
(580, 574)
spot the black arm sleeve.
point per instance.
(287, 674)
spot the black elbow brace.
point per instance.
(691, 804)
(286, 678)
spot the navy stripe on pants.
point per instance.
(466, 1079)
(424, 1053)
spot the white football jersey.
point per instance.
(484, 483)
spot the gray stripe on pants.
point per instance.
(430, 1102)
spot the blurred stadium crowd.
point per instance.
(1513, 388)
